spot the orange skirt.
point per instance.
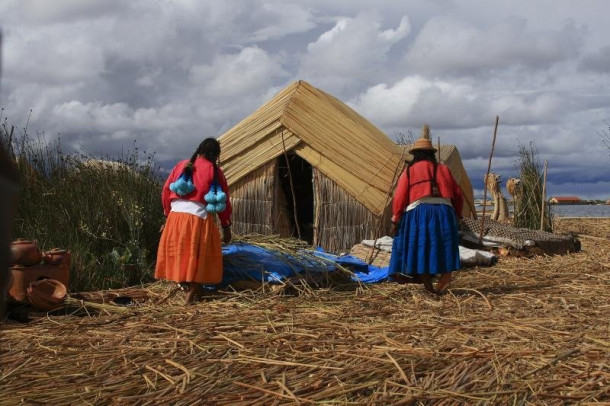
(189, 250)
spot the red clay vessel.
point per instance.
(24, 252)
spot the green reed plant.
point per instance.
(106, 212)
(528, 200)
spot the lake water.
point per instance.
(581, 210)
(570, 210)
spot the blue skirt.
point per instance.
(426, 242)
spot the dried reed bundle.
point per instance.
(79, 303)
(526, 331)
(135, 294)
(310, 270)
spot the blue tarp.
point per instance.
(363, 272)
(250, 262)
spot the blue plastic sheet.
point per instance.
(250, 262)
(363, 272)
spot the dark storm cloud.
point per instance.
(103, 73)
(598, 61)
(62, 11)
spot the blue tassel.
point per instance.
(210, 197)
(182, 186)
(215, 199)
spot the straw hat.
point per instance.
(47, 294)
(424, 142)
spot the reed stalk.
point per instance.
(531, 331)
(105, 211)
(528, 204)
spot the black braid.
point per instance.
(210, 150)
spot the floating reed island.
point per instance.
(525, 331)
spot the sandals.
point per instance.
(443, 282)
(194, 293)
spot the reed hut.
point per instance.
(306, 165)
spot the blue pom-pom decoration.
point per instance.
(216, 200)
(215, 208)
(221, 197)
(210, 197)
(182, 186)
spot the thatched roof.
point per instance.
(324, 131)
(333, 138)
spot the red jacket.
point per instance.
(203, 176)
(421, 173)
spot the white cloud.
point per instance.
(250, 70)
(280, 19)
(393, 105)
(451, 45)
(352, 49)
(451, 104)
(49, 56)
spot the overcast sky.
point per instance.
(168, 73)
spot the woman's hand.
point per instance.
(393, 229)
(226, 234)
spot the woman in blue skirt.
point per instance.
(425, 212)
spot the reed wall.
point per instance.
(253, 202)
(340, 221)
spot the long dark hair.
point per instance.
(210, 150)
(423, 155)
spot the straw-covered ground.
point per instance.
(525, 331)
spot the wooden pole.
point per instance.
(543, 196)
(5, 226)
(439, 149)
(493, 145)
(397, 172)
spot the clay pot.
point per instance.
(47, 294)
(54, 256)
(24, 252)
(22, 276)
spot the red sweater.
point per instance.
(203, 177)
(420, 186)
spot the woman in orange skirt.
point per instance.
(190, 250)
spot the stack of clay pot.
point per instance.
(28, 264)
(47, 294)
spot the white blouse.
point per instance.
(190, 207)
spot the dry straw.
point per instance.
(526, 331)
